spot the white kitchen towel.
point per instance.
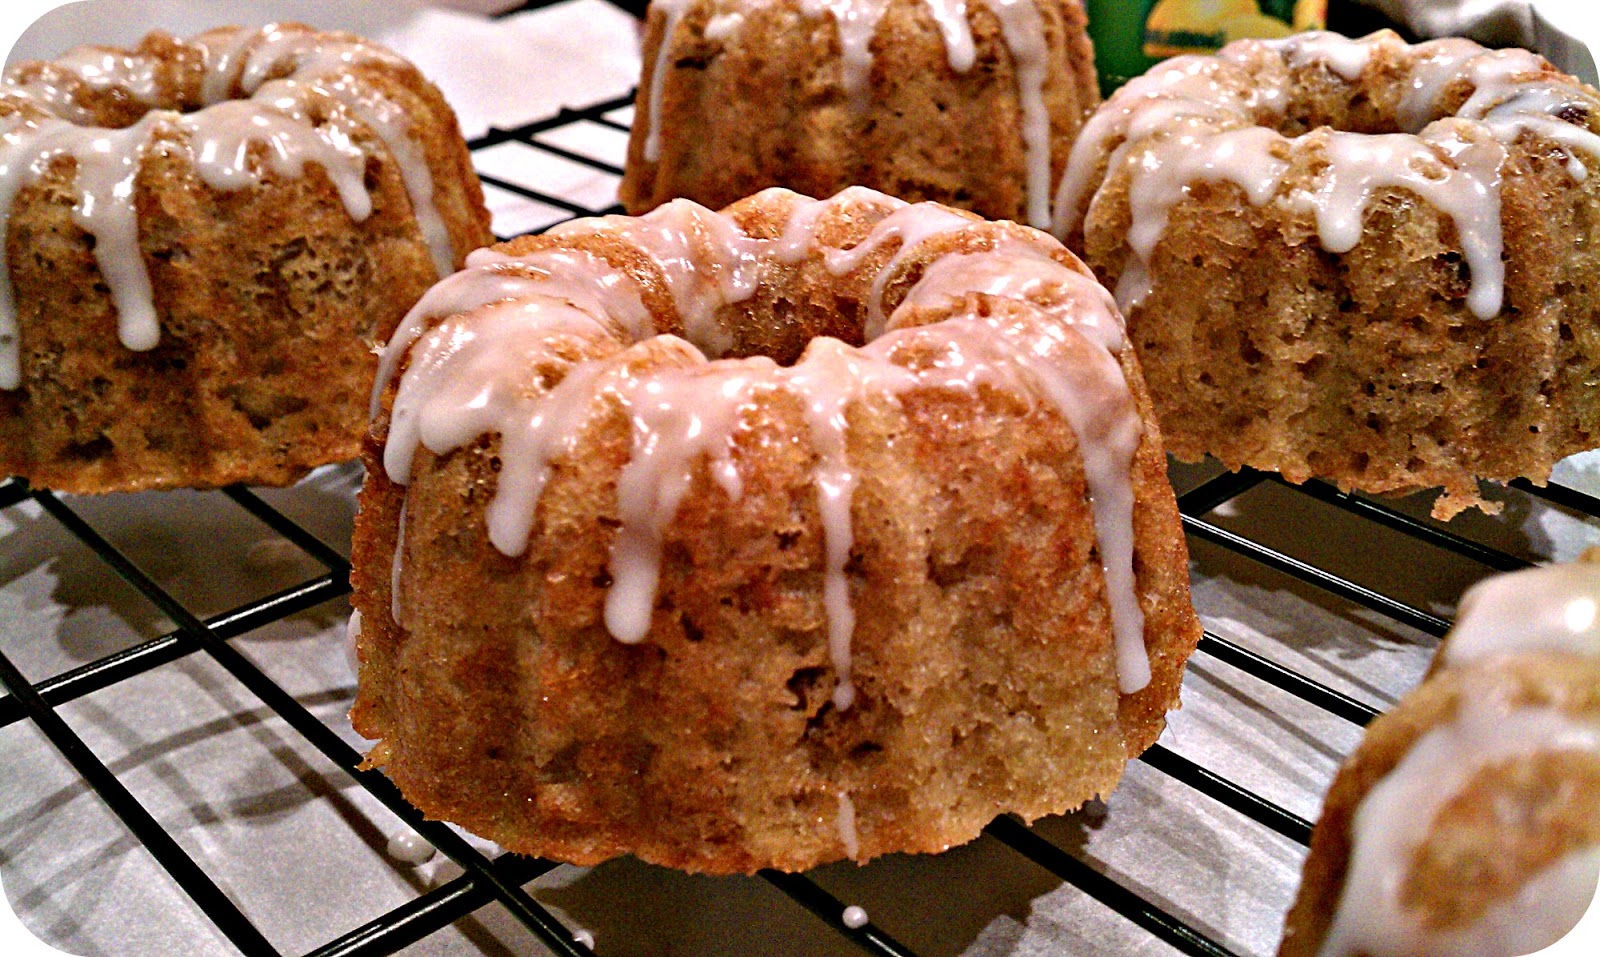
(1563, 30)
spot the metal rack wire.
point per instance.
(503, 879)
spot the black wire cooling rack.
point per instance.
(502, 879)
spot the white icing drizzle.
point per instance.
(220, 138)
(960, 49)
(1192, 93)
(1236, 156)
(389, 122)
(1346, 58)
(352, 638)
(844, 825)
(724, 25)
(102, 69)
(469, 376)
(672, 11)
(912, 226)
(676, 421)
(1554, 608)
(1396, 815)
(857, 22)
(222, 64)
(1459, 177)
(465, 380)
(1441, 64)
(1022, 270)
(707, 261)
(854, 917)
(329, 63)
(568, 274)
(1022, 32)
(1091, 394)
(1196, 119)
(48, 124)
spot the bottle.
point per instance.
(1130, 36)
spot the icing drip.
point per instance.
(845, 826)
(1555, 608)
(469, 376)
(1091, 395)
(1189, 91)
(388, 121)
(222, 64)
(330, 64)
(1443, 63)
(857, 22)
(1460, 177)
(706, 260)
(570, 275)
(104, 69)
(829, 377)
(1134, 284)
(1342, 56)
(1236, 156)
(1395, 817)
(960, 50)
(1021, 29)
(677, 419)
(912, 226)
(352, 638)
(673, 11)
(465, 380)
(1198, 119)
(219, 139)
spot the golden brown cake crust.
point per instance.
(765, 106)
(1512, 820)
(1366, 367)
(270, 298)
(982, 658)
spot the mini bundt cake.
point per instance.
(813, 529)
(205, 240)
(1468, 820)
(973, 105)
(1354, 259)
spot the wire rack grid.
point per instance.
(581, 149)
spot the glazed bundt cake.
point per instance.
(973, 105)
(1468, 820)
(1354, 259)
(804, 531)
(205, 240)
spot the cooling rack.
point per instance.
(582, 151)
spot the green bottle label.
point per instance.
(1130, 37)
